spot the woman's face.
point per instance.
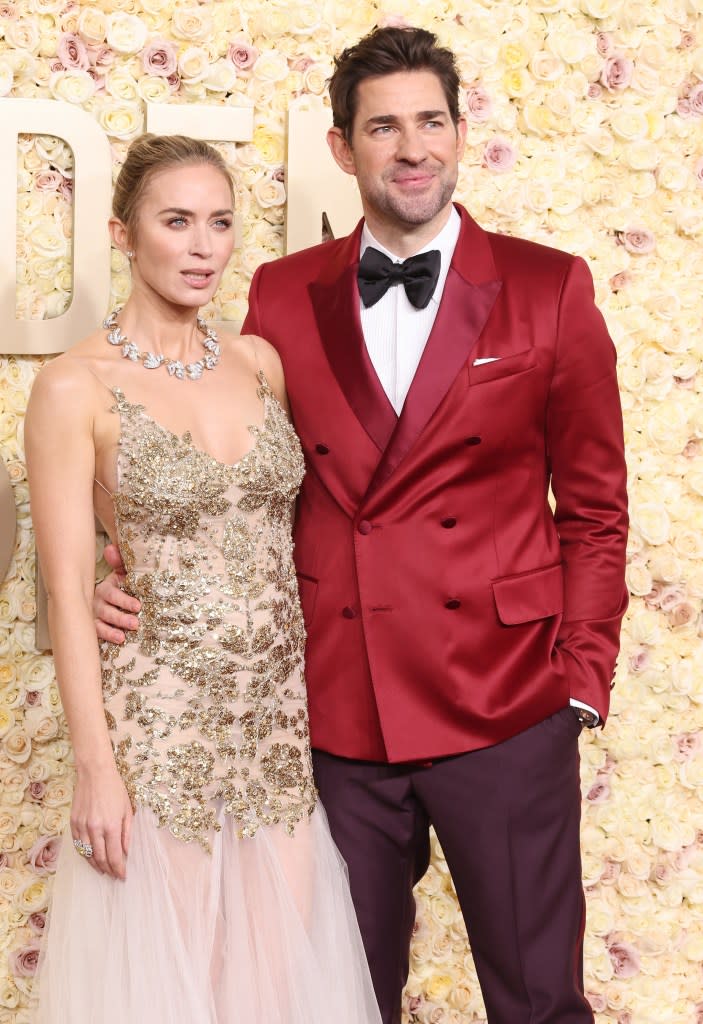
(184, 236)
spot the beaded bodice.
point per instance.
(206, 701)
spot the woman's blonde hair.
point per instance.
(150, 154)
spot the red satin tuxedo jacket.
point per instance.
(447, 607)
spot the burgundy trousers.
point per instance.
(507, 818)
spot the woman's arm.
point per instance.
(61, 466)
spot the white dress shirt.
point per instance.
(395, 332)
(394, 318)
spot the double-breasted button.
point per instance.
(452, 604)
(364, 527)
(348, 613)
(472, 440)
(322, 449)
(448, 523)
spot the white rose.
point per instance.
(7, 77)
(73, 86)
(221, 77)
(92, 24)
(191, 23)
(126, 33)
(153, 89)
(194, 64)
(270, 66)
(121, 84)
(121, 120)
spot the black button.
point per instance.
(322, 449)
(365, 527)
(452, 604)
(472, 440)
(449, 523)
(348, 613)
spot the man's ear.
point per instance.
(461, 129)
(341, 150)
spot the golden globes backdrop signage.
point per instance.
(585, 132)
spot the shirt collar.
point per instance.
(445, 241)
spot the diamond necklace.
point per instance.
(184, 371)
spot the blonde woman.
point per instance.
(198, 882)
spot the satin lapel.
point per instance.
(335, 300)
(467, 301)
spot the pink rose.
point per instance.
(37, 922)
(478, 104)
(624, 1017)
(599, 791)
(44, 854)
(56, 65)
(687, 41)
(610, 873)
(688, 744)
(683, 107)
(66, 188)
(101, 56)
(637, 240)
(8, 11)
(617, 73)
(242, 54)
(33, 697)
(23, 961)
(682, 615)
(597, 1001)
(302, 64)
(45, 181)
(620, 280)
(695, 98)
(4, 861)
(604, 43)
(174, 82)
(159, 58)
(625, 959)
(36, 790)
(639, 660)
(392, 21)
(499, 155)
(72, 52)
(595, 91)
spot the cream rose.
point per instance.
(126, 33)
(121, 120)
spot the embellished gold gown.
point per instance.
(236, 906)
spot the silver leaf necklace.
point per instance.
(150, 361)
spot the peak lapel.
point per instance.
(335, 301)
(469, 293)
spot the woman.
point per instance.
(198, 883)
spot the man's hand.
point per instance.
(113, 610)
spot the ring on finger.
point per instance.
(84, 849)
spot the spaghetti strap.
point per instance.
(96, 481)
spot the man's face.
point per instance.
(404, 151)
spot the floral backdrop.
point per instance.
(586, 132)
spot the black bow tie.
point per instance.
(418, 274)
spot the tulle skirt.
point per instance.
(260, 931)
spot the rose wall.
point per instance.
(586, 133)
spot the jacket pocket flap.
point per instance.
(506, 366)
(530, 595)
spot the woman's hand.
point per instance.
(113, 610)
(101, 817)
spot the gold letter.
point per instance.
(91, 209)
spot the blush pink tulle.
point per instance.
(260, 931)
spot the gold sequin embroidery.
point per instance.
(206, 701)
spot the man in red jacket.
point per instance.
(460, 632)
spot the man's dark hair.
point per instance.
(385, 51)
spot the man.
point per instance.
(460, 633)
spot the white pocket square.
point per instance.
(486, 359)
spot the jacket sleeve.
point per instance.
(588, 476)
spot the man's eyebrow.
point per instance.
(421, 115)
(189, 213)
